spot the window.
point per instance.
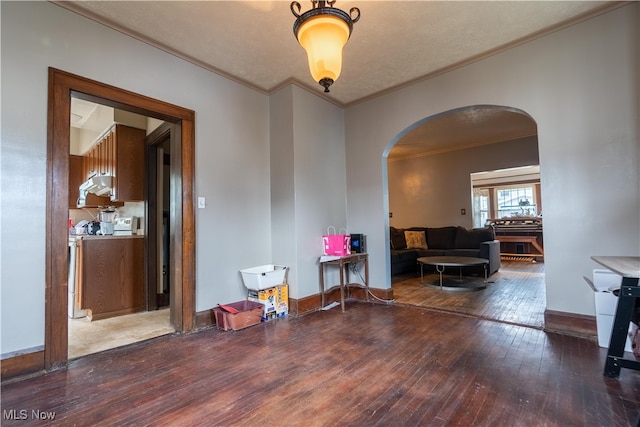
(505, 193)
(515, 201)
(480, 206)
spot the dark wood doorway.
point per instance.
(62, 87)
(159, 145)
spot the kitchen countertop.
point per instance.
(100, 237)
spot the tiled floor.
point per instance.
(87, 337)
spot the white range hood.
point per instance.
(99, 185)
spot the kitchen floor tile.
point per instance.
(87, 337)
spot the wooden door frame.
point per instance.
(164, 132)
(62, 86)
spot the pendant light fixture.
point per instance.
(323, 31)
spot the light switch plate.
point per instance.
(201, 203)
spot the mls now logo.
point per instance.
(23, 414)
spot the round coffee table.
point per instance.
(441, 262)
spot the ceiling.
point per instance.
(463, 128)
(394, 43)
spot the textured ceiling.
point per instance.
(394, 42)
(464, 128)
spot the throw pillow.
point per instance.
(415, 240)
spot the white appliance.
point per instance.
(81, 228)
(125, 226)
(604, 282)
(72, 307)
(106, 228)
(98, 185)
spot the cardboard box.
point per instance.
(275, 301)
(282, 300)
(249, 314)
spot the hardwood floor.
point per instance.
(375, 365)
(515, 294)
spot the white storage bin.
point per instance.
(605, 280)
(264, 276)
(606, 305)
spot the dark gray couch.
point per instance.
(445, 241)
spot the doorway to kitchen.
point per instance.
(129, 302)
(62, 88)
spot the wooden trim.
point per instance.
(302, 306)
(309, 303)
(205, 318)
(188, 230)
(58, 134)
(22, 364)
(62, 86)
(576, 325)
(493, 186)
(152, 143)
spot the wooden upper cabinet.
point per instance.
(76, 177)
(119, 153)
(88, 164)
(128, 151)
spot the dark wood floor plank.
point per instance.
(515, 294)
(373, 365)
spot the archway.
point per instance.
(428, 171)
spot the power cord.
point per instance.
(354, 268)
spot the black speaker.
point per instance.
(358, 243)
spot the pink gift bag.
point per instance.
(336, 244)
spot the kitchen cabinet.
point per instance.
(76, 178)
(128, 150)
(111, 275)
(120, 154)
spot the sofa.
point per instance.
(409, 244)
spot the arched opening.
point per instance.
(432, 172)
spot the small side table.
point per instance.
(343, 264)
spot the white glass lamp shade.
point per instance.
(323, 38)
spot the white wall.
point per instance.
(232, 155)
(320, 182)
(283, 189)
(430, 191)
(308, 183)
(580, 85)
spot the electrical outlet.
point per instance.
(201, 203)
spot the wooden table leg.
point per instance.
(321, 285)
(342, 286)
(366, 277)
